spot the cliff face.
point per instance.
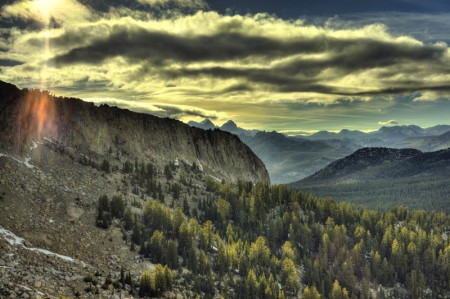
(97, 132)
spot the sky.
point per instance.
(291, 66)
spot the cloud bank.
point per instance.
(204, 59)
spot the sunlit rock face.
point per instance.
(113, 133)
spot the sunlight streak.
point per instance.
(45, 8)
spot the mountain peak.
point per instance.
(229, 125)
(207, 122)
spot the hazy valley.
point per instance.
(292, 158)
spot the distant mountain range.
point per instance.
(230, 126)
(291, 158)
(386, 134)
(384, 177)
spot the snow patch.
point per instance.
(25, 287)
(15, 240)
(200, 167)
(11, 238)
(34, 146)
(217, 179)
(26, 163)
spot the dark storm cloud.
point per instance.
(138, 43)
(151, 6)
(10, 62)
(155, 51)
(141, 44)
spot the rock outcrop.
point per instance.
(32, 115)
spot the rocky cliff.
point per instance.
(105, 132)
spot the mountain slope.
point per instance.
(362, 160)
(106, 132)
(382, 177)
(428, 143)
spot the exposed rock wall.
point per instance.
(26, 116)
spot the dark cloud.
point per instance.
(292, 9)
(10, 62)
(276, 80)
(153, 7)
(156, 50)
(137, 43)
(140, 44)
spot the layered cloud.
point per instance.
(197, 62)
(260, 52)
(161, 109)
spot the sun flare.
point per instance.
(46, 7)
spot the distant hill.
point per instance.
(428, 143)
(383, 177)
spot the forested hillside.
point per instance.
(384, 178)
(260, 241)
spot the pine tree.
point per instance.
(172, 254)
(251, 285)
(289, 276)
(128, 219)
(145, 284)
(117, 206)
(337, 292)
(104, 217)
(310, 293)
(136, 236)
(157, 246)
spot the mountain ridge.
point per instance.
(384, 177)
(27, 116)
